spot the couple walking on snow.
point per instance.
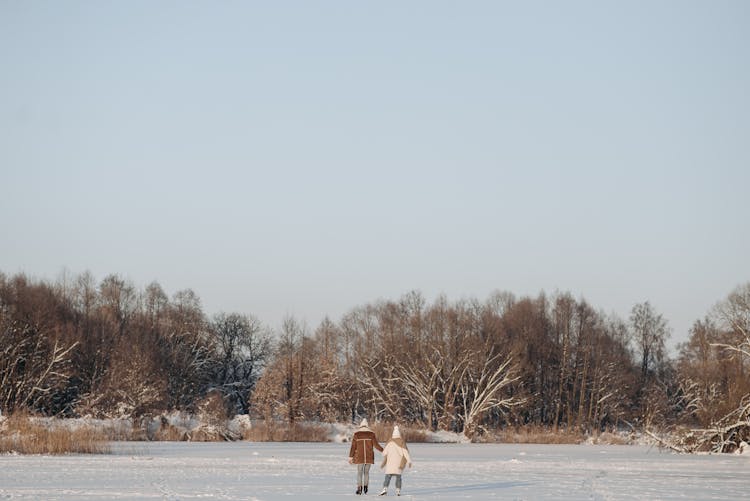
(395, 457)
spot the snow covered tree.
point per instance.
(31, 365)
(482, 383)
(35, 358)
(242, 345)
(713, 371)
(702, 373)
(734, 315)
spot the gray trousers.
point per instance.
(387, 480)
(363, 474)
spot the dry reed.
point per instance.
(283, 432)
(20, 434)
(384, 431)
(533, 435)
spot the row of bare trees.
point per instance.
(713, 368)
(78, 347)
(470, 365)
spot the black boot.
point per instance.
(359, 490)
(365, 491)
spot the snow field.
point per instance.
(276, 471)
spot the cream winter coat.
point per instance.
(395, 456)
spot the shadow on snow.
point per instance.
(470, 487)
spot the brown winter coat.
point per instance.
(361, 449)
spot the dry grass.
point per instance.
(118, 431)
(24, 434)
(533, 435)
(607, 438)
(20, 434)
(263, 431)
(282, 432)
(307, 432)
(259, 432)
(169, 433)
(384, 431)
(414, 435)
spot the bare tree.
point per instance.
(155, 304)
(702, 375)
(713, 372)
(423, 384)
(242, 345)
(734, 314)
(380, 380)
(118, 301)
(482, 382)
(31, 364)
(563, 317)
(290, 341)
(650, 332)
(329, 389)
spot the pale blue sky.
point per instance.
(308, 157)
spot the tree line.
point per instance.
(77, 347)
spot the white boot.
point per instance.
(398, 492)
(383, 492)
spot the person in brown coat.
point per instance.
(362, 454)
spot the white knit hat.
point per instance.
(363, 424)
(396, 432)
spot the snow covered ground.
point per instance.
(273, 471)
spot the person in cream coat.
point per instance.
(395, 458)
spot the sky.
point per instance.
(304, 158)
